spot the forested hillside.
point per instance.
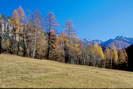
(130, 57)
(37, 36)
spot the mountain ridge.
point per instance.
(119, 41)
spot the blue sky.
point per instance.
(93, 19)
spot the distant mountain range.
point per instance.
(120, 42)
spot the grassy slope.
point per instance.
(25, 72)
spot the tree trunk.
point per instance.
(0, 44)
(35, 40)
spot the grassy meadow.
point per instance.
(20, 72)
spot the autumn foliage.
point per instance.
(37, 36)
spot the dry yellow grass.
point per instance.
(20, 72)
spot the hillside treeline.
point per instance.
(130, 57)
(38, 36)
